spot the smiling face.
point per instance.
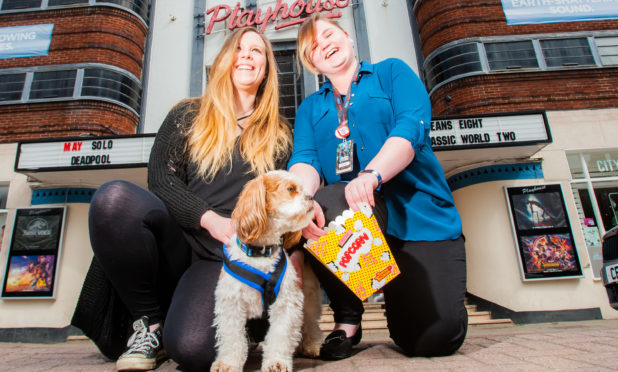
(331, 50)
(249, 62)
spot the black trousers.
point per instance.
(146, 257)
(425, 307)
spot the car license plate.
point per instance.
(610, 271)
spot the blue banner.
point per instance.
(521, 12)
(25, 41)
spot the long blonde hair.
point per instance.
(211, 138)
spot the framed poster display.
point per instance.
(34, 253)
(542, 231)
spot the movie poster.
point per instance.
(27, 274)
(543, 232)
(548, 253)
(34, 253)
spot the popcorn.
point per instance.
(355, 250)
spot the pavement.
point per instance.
(566, 346)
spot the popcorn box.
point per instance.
(355, 250)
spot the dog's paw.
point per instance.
(221, 366)
(276, 366)
(310, 350)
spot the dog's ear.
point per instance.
(291, 238)
(249, 215)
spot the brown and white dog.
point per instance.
(270, 213)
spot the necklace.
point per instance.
(244, 117)
(238, 120)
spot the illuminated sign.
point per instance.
(102, 152)
(239, 17)
(483, 131)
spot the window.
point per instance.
(138, 6)
(20, 4)
(290, 83)
(52, 84)
(97, 83)
(511, 55)
(11, 86)
(458, 60)
(66, 2)
(608, 50)
(113, 85)
(594, 181)
(567, 52)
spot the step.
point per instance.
(374, 319)
(328, 318)
(367, 324)
(488, 321)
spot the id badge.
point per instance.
(345, 157)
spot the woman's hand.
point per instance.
(361, 189)
(314, 229)
(219, 227)
(298, 260)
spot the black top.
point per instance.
(172, 177)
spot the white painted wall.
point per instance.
(169, 67)
(492, 258)
(75, 256)
(390, 35)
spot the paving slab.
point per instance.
(565, 346)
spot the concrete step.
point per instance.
(374, 319)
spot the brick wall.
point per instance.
(64, 119)
(95, 34)
(443, 21)
(559, 90)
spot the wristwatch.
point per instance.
(375, 173)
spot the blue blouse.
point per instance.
(388, 100)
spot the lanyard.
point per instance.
(343, 131)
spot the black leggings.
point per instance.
(425, 304)
(147, 259)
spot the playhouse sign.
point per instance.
(259, 18)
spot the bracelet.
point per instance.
(375, 173)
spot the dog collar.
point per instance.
(267, 283)
(256, 250)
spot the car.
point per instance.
(609, 272)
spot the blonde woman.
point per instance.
(170, 237)
(382, 112)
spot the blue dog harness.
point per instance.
(268, 284)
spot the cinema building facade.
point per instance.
(525, 126)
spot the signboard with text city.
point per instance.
(79, 153)
(453, 133)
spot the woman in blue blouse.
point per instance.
(382, 112)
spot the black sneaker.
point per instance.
(338, 346)
(144, 348)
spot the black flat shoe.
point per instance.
(338, 346)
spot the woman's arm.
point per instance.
(167, 169)
(412, 115)
(304, 163)
(167, 177)
(394, 156)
